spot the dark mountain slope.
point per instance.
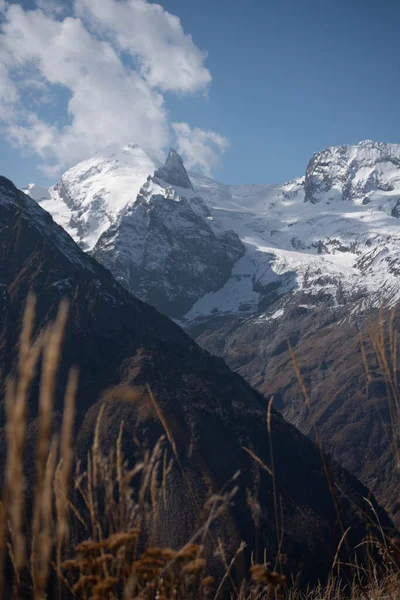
(350, 412)
(116, 339)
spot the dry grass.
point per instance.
(90, 533)
(384, 339)
(371, 583)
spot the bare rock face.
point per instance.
(164, 250)
(213, 413)
(174, 172)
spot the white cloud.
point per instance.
(201, 149)
(168, 59)
(8, 95)
(82, 61)
(52, 7)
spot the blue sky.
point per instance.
(289, 78)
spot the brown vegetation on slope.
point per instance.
(350, 407)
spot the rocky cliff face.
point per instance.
(353, 173)
(350, 409)
(116, 339)
(174, 172)
(153, 232)
(164, 250)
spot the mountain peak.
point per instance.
(174, 172)
(125, 153)
(353, 172)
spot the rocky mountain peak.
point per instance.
(174, 172)
(353, 172)
(166, 251)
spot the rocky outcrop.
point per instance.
(352, 172)
(174, 172)
(168, 256)
(164, 250)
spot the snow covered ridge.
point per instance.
(353, 172)
(197, 248)
(90, 196)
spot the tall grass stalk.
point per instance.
(92, 534)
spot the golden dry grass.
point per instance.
(41, 558)
(84, 538)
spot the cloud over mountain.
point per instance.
(70, 84)
(201, 149)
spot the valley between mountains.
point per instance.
(215, 422)
(247, 270)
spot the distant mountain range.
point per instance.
(245, 269)
(333, 233)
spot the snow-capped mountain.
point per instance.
(145, 222)
(333, 234)
(353, 172)
(164, 248)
